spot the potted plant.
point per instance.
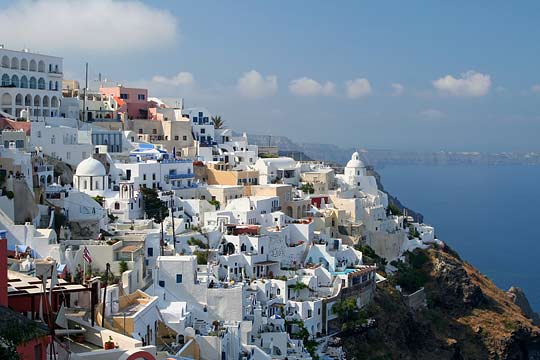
(109, 344)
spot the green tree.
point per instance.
(123, 267)
(218, 122)
(393, 209)
(350, 316)
(215, 203)
(307, 188)
(154, 207)
(99, 199)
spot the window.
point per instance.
(68, 155)
(144, 176)
(203, 131)
(162, 283)
(150, 252)
(154, 176)
(140, 131)
(141, 97)
(53, 140)
(154, 131)
(124, 96)
(39, 134)
(176, 138)
(184, 137)
(178, 278)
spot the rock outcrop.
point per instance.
(467, 317)
(518, 297)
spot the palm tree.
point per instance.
(218, 122)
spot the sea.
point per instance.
(490, 214)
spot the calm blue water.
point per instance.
(489, 214)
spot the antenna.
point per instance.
(84, 98)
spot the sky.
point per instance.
(415, 75)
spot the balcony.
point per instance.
(173, 161)
(179, 176)
(44, 168)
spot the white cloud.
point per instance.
(358, 87)
(397, 89)
(97, 25)
(471, 83)
(535, 88)
(309, 87)
(253, 85)
(431, 114)
(181, 79)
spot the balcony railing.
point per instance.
(180, 176)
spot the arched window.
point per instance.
(33, 65)
(54, 101)
(45, 101)
(41, 66)
(41, 84)
(24, 64)
(6, 103)
(6, 99)
(5, 61)
(116, 206)
(28, 100)
(24, 82)
(15, 81)
(37, 101)
(15, 63)
(18, 99)
(33, 83)
(5, 80)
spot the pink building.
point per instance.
(135, 100)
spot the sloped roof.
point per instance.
(7, 124)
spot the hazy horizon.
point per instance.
(455, 76)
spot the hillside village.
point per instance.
(136, 229)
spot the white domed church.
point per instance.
(354, 171)
(91, 177)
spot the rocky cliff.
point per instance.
(466, 317)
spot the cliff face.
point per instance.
(467, 317)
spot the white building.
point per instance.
(202, 125)
(60, 141)
(166, 174)
(91, 177)
(282, 169)
(30, 81)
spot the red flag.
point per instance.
(86, 255)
